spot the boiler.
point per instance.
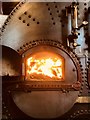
(45, 61)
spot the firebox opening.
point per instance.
(44, 66)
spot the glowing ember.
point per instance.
(51, 67)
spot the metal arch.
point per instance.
(56, 44)
(10, 16)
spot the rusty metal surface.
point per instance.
(44, 104)
(19, 85)
(84, 99)
(33, 24)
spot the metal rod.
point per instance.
(89, 21)
(74, 18)
(69, 24)
(1, 11)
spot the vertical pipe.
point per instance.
(74, 19)
(89, 21)
(69, 25)
(1, 11)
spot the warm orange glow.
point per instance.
(44, 66)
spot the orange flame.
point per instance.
(51, 67)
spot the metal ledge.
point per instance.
(84, 99)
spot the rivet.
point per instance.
(78, 112)
(4, 106)
(81, 69)
(19, 18)
(55, 6)
(71, 116)
(11, 13)
(80, 65)
(19, 5)
(79, 95)
(48, 8)
(78, 33)
(47, 4)
(64, 91)
(14, 10)
(29, 16)
(62, 25)
(81, 87)
(53, 23)
(85, 76)
(2, 30)
(23, 21)
(28, 24)
(73, 70)
(60, 20)
(59, 16)
(23, 45)
(74, 113)
(33, 19)
(9, 91)
(85, 8)
(37, 22)
(22, 2)
(81, 110)
(25, 13)
(80, 91)
(9, 17)
(17, 8)
(85, 110)
(82, 83)
(52, 18)
(8, 114)
(85, 4)
(5, 23)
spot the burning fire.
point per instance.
(51, 67)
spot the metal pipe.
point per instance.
(69, 24)
(1, 11)
(89, 21)
(74, 17)
(69, 16)
(69, 27)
